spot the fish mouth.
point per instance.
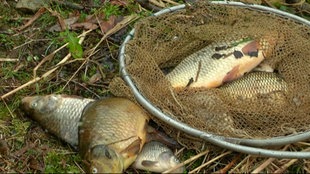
(26, 104)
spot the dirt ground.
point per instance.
(31, 64)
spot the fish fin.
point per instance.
(250, 48)
(155, 135)
(232, 74)
(148, 163)
(134, 148)
(165, 156)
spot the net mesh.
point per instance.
(162, 42)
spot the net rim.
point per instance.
(249, 146)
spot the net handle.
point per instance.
(235, 144)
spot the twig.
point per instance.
(35, 17)
(187, 161)
(238, 165)
(36, 79)
(291, 162)
(171, 2)
(8, 60)
(209, 162)
(228, 166)
(92, 51)
(266, 163)
(51, 55)
(11, 113)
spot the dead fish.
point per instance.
(58, 114)
(219, 63)
(62, 115)
(156, 157)
(254, 84)
(116, 123)
(120, 127)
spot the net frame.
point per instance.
(249, 146)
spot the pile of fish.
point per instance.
(113, 133)
(220, 63)
(109, 133)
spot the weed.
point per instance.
(6, 41)
(61, 163)
(110, 10)
(73, 43)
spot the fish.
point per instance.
(157, 157)
(58, 114)
(121, 127)
(219, 63)
(255, 84)
(123, 124)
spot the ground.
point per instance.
(29, 66)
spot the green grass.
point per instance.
(61, 162)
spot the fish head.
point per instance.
(105, 160)
(39, 106)
(164, 161)
(168, 160)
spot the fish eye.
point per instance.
(34, 104)
(108, 155)
(94, 170)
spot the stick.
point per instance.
(36, 79)
(266, 163)
(291, 162)
(228, 166)
(8, 60)
(209, 162)
(187, 161)
(115, 29)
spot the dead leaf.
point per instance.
(108, 25)
(67, 22)
(119, 2)
(85, 25)
(93, 79)
(35, 164)
(4, 148)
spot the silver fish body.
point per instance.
(59, 114)
(218, 63)
(256, 84)
(156, 157)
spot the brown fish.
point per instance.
(61, 115)
(116, 123)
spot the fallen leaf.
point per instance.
(68, 22)
(119, 2)
(4, 148)
(85, 25)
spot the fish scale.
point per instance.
(59, 114)
(254, 84)
(218, 63)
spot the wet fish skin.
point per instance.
(254, 84)
(117, 123)
(99, 156)
(218, 63)
(59, 114)
(156, 157)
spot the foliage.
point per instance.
(74, 46)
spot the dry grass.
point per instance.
(25, 147)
